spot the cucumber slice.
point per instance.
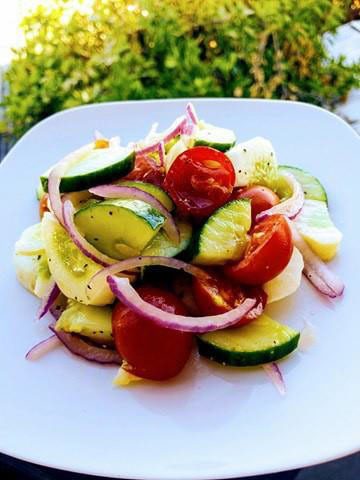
(162, 246)
(30, 242)
(120, 228)
(70, 269)
(223, 236)
(30, 261)
(261, 341)
(313, 190)
(80, 199)
(210, 136)
(89, 321)
(40, 191)
(255, 163)
(43, 276)
(177, 149)
(154, 190)
(318, 230)
(95, 167)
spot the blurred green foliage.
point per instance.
(140, 49)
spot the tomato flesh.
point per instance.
(43, 205)
(149, 350)
(262, 198)
(218, 295)
(267, 255)
(199, 181)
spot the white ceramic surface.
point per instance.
(212, 422)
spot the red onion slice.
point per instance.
(118, 191)
(84, 246)
(51, 295)
(55, 179)
(315, 270)
(307, 337)
(42, 348)
(290, 207)
(273, 372)
(176, 129)
(190, 110)
(80, 347)
(149, 149)
(144, 261)
(128, 296)
(259, 307)
(162, 153)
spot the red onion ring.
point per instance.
(42, 348)
(176, 130)
(290, 207)
(150, 149)
(128, 296)
(80, 347)
(190, 110)
(143, 261)
(55, 179)
(315, 270)
(162, 153)
(259, 307)
(118, 191)
(50, 297)
(273, 372)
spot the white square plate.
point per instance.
(211, 422)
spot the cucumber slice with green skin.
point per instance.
(120, 228)
(162, 246)
(154, 190)
(40, 191)
(31, 265)
(103, 165)
(313, 190)
(215, 137)
(223, 236)
(70, 268)
(318, 230)
(261, 341)
(89, 321)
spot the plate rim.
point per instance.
(316, 459)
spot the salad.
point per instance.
(180, 239)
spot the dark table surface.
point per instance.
(347, 468)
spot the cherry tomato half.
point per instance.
(218, 295)
(262, 198)
(43, 205)
(145, 170)
(151, 351)
(267, 255)
(199, 181)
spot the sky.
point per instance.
(10, 34)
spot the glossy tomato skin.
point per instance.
(267, 255)
(146, 170)
(219, 295)
(262, 198)
(43, 205)
(151, 351)
(199, 181)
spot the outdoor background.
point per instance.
(57, 54)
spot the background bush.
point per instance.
(141, 49)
